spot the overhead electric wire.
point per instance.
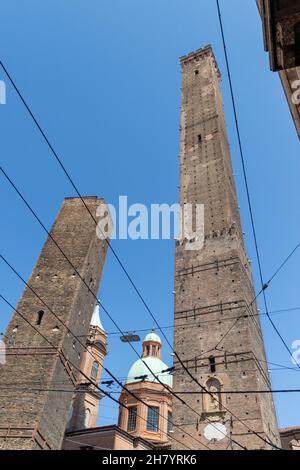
(194, 379)
(199, 322)
(250, 430)
(68, 329)
(263, 284)
(83, 280)
(153, 374)
(241, 392)
(104, 309)
(222, 392)
(107, 394)
(58, 159)
(61, 383)
(84, 346)
(242, 316)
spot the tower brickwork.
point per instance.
(33, 415)
(217, 328)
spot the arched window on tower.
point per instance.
(94, 371)
(213, 399)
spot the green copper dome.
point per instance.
(151, 358)
(139, 369)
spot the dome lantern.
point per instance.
(151, 356)
(152, 345)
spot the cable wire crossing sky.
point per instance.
(101, 116)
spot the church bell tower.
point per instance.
(85, 406)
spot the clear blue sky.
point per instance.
(103, 78)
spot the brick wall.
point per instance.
(214, 285)
(37, 420)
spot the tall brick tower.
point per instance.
(213, 286)
(33, 415)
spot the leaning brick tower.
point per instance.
(217, 328)
(33, 415)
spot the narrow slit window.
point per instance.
(212, 364)
(40, 315)
(170, 427)
(199, 138)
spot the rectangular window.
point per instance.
(152, 420)
(153, 350)
(94, 371)
(131, 425)
(169, 422)
(212, 364)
